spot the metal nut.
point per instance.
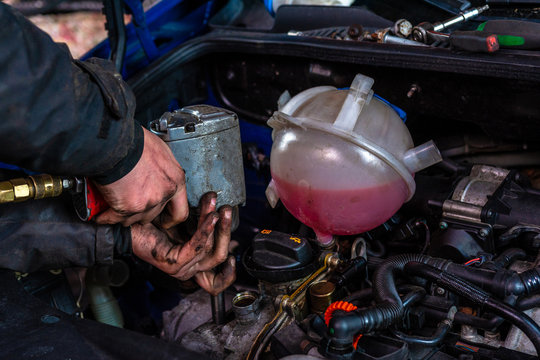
(403, 28)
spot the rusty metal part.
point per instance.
(320, 295)
(30, 188)
(355, 32)
(402, 28)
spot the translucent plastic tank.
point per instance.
(342, 162)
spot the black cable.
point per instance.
(480, 297)
(508, 256)
(529, 302)
(389, 307)
(433, 340)
(416, 294)
(427, 233)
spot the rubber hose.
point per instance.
(508, 256)
(390, 307)
(529, 302)
(435, 339)
(375, 248)
(480, 297)
(104, 305)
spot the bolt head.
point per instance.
(483, 232)
(443, 225)
(440, 291)
(403, 28)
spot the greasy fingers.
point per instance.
(213, 282)
(157, 181)
(222, 239)
(199, 243)
(178, 260)
(207, 248)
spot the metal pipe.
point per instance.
(459, 18)
(218, 308)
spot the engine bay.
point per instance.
(451, 270)
(439, 278)
(426, 284)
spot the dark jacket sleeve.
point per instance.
(46, 234)
(61, 116)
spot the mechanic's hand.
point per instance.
(206, 249)
(155, 182)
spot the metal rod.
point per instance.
(460, 18)
(218, 308)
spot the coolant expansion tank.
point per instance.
(342, 161)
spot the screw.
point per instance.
(489, 213)
(189, 127)
(355, 31)
(483, 232)
(443, 225)
(440, 291)
(413, 90)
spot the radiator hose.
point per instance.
(389, 309)
(479, 297)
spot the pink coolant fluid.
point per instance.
(342, 212)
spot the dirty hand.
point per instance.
(156, 182)
(206, 249)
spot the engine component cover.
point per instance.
(205, 140)
(279, 257)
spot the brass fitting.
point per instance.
(32, 187)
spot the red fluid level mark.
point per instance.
(342, 212)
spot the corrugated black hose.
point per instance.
(389, 308)
(478, 296)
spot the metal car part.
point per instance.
(205, 140)
(472, 193)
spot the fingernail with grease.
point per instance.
(215, 219)
(213, 201)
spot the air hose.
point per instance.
(389, 309)
(480, 297)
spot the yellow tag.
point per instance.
(296, 240)
(266, 232)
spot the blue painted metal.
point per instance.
(269, 4)
(141, 29)
(166, 25)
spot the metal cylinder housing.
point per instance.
(205, 140)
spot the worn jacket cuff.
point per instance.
(124, 166)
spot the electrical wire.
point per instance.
(473, 261)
